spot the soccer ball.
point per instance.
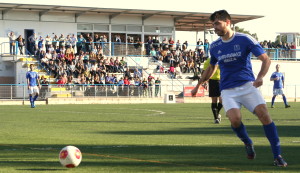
(70, 157)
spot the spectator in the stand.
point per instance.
(68, 42)
(71, 68)
(73, 41)
(150, 77)
(12, 43)
(293, 51)
(199, 44)
(182, 65)
(48, 42)
(117, 65)
(185, 45)
(144, 85)
(178, 73)
(101, 69)
(206, 48)
(157, 87)
(51, 49)
(164, 44)
(148, 45)
(97, 41)
(97, 80)
(32, 43)
(45, 62)
(137, 43)
(55, 42)
(151, 84)
(123, 64)
(156, 43)
(126, 81)
(178, 45)
(190, 66)
(121, 82)
(62, 41)
(80, 44)
(21, 43)
(126, 73)
(112, 65)
(137, 73)
(89, 43)
(118, 39)
(52, 68)
(171, 43)
(171, 71)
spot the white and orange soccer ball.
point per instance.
(70, 157)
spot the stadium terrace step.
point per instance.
(57, 89)
(61, 95)
(28, 64)
(27, 59)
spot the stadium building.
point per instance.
(121, 27)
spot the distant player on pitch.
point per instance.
(33, 89)
(278, 86)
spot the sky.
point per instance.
(278, 17)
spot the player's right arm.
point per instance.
(208, 73)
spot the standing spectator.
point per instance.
(55, 42)
(73, 41)
(48, 42)
(157, 87)
(32, 43)
(12, 43)
(206, 48)
(137, 74)
(278, 86)
(80, 44)
(21, 43)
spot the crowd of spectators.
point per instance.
(281, 50)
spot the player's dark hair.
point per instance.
(222, 15)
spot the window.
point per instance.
(101, 27)
(84, 27)
(166, 29)
(134, 28)
(118, 27)
(151, 29)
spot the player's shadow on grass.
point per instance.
(41, 170)
(253, 130)
(153, 158)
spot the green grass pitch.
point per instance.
(141, 138)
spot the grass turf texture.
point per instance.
(140, 138)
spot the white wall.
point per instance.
(163, 21)
(89, 18)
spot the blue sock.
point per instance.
(30, 99)
(35, 97)
(284, 99)
(242, 134)
(271, 134)
(273, 100)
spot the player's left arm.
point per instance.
(266, 62)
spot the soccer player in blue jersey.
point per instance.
(278, 86)
(32, 81)
(231, 52)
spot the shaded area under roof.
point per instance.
(184, 21)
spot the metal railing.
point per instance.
(19, 91)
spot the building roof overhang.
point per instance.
(183, 21)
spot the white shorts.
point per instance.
(33, 89)
(246, 95)
(277, 91)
